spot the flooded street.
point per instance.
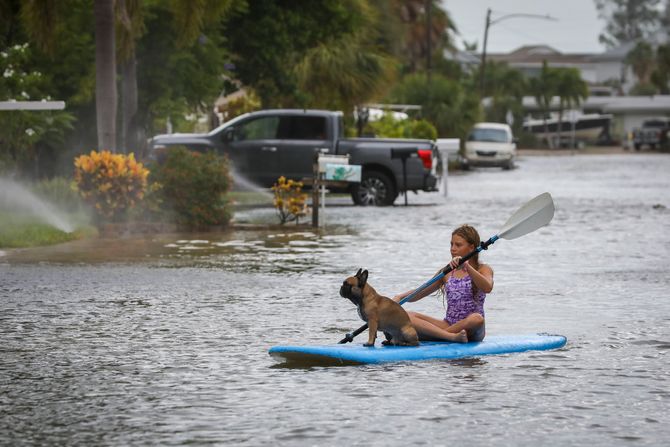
(164, 341)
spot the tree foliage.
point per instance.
(641, 61)
(449, 105)
(174, 58)
(405, 31)
(564, 83)
(628, 20)
(24, 133)
(340, 73)
(660, 76)
(506, 87)
(277, 47)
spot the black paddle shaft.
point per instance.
(348, 338)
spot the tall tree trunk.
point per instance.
(129, 106)
(105, 74)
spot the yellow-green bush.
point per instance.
(289, 200)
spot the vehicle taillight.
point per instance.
(426, 156)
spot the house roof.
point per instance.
(615, 54)
(536, 54)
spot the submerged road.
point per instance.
(164, 341)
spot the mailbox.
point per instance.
(325, 159)
(343, 173)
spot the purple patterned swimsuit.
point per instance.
(460, 303)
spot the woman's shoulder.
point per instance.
(483, 268)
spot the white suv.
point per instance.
(490, 144)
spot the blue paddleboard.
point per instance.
(356, 353)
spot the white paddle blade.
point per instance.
(533, 215)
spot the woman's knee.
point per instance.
(475, 319)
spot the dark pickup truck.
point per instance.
(653, 133)
(267, 144)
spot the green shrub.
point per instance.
(389, 127)
(194, 187)
(421, 129)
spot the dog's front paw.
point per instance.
(388, 343)
(369, 345)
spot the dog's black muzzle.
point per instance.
(351, 293)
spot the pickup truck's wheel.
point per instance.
(375, 189)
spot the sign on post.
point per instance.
(448, 148)
(343, 173)
(334, 168)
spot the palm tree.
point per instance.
(189, 19)
(130, 18)
(343, 73)
(416, 36)
(40, 18)
(571, 90)
(543, 88)
(105, 73)
(641, 61)
(506, 86)
(661, 74)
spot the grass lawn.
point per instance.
(250, 198)
(17, 231)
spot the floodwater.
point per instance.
(164, 341)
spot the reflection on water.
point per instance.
(164, 340)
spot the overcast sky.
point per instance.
(575, 31)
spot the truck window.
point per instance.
(302, 128)
(263, 128)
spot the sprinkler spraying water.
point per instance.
(17, 199)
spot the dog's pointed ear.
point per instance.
(362, 279)
(358, 273)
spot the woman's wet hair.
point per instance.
(471, 236)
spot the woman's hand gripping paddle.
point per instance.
(533, 215)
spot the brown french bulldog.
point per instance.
(381, 313)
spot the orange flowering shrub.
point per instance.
(289, 200)
(111, 183)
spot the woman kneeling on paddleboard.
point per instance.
(465, 289)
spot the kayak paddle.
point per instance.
(533, 215)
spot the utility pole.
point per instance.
(488, 24)
(482, 67)
(429, 4)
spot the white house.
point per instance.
(595, 69)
